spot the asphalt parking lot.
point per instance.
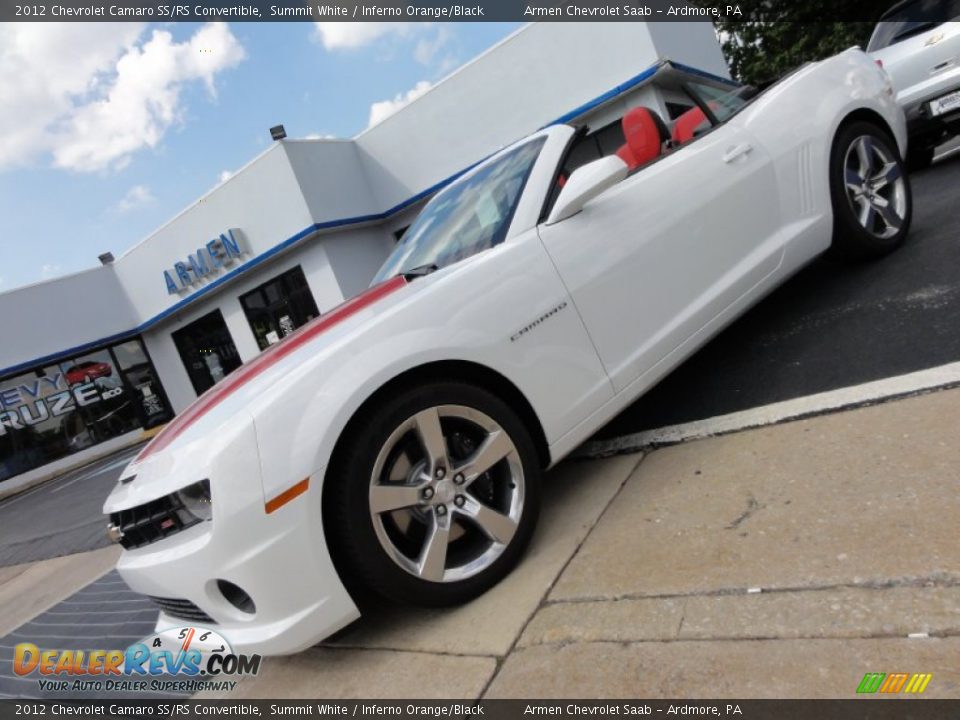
(62, 516)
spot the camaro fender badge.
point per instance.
(934, 40)
(543, 318)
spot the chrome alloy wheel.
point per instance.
(875, 186)
(446, 493)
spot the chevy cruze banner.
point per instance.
(60, 409)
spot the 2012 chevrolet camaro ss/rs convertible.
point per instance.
(394, 446)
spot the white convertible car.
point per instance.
(394, 446)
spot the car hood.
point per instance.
(165, 472)
(229, 398)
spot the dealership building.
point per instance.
(300, 228)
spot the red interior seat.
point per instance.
(687, 124)
(645, 133)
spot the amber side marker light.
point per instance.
(287, 495)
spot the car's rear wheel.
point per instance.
(870, 190)
(435, 497)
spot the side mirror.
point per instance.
(585, 184)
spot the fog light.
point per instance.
(236, 596)
(114, 532)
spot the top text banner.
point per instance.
(405, 11)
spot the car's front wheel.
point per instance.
(435, 496)
(870, 190)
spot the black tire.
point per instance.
(860, 230)
(362, 540)
(920, 156)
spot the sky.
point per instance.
(108, 130)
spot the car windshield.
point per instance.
(470, 216)
(912, 19)
(724, 103)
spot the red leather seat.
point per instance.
(645, 133)
(687, 124)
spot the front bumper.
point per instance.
(279, 559)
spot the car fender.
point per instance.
(519, 324)
(799, 132)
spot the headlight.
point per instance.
(196, 500)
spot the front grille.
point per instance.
(182, 609)
(153, 521)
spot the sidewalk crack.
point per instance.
(683, 616)
(546, 594)
(752, 507)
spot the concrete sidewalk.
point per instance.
(643, 578)
(27, 590)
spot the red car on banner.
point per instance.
(87, 371)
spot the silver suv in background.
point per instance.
(918, 43)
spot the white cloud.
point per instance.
(385, 108)
(137, 196)
(225, 175)
(429, 47)
(143, 100)
(431, 37)
(44, 67)
(50, 270)
(347, 35)
(92, 94)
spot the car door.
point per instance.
(653, 259)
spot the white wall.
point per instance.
(532, 78)
(48, 317)
(693, 44)
(356, 256)
(264, 201)
(311, 256)
(331, 178)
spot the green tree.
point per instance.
(776, 36)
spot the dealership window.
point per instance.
(207, 351)
(279, 306)
(53, 411)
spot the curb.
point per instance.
(871, 393)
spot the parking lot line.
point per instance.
(869, 393)
(95, 471)
(946, 154)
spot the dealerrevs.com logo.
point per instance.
(183, 659)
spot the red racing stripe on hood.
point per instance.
(269, 357)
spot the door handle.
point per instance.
(737, 151)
